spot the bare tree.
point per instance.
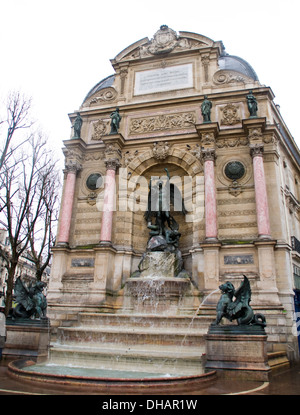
(17, 118)
(28, 198)
(29, 183)
(43, 217)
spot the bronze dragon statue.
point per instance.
(238, 309)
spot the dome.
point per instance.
(105, 83)
(186, 41)
(235, 63)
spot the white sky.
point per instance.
(56, 51)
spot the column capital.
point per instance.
(208, 154)
(72, 166)
(256, 150)
(112, 163)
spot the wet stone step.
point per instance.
(159, 363)
(96, 319)
(124, 335)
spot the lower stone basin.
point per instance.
(111, 381)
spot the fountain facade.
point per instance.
(128, 282)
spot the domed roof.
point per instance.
(105, 83)
(235, 63)
(225, 61)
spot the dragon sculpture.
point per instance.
(31, 302)
(238, 309)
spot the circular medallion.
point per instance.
(94, 181)
(234, 170)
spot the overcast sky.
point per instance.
(56, 51)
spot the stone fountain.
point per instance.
(150, 341)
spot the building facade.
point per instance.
(235, 162)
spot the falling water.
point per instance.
(195, 314)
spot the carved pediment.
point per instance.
(164, 41)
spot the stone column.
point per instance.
(211, 229)
(208, 133)
(108, 205)
(261, 198)
(67, 205)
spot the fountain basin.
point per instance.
(112, 381)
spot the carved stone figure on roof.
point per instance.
(115, 121)
(252, 104)
(77, 126)
(206, 109)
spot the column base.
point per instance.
(105, 243)
(211, 239)
(62, 245)
(264, 237)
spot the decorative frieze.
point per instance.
(162, 122)
(232, 142)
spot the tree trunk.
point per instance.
(10, 286)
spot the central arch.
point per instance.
(180, 163)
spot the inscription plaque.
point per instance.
(238, 259)
(82, 262)
(163, 79)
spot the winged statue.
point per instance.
(238, 309)
(161, 196)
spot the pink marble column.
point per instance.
(67, 206)
(108, 204)
(211, 230)
(261, 198)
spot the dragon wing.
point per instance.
(242, 297)
(22, 295)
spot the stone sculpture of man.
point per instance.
(77, 126)
(252, 104)
(206, 109)
(115, 121)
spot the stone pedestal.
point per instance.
(160, 265)
(238, 352)
(27, 338)
(160, 286)
(156, 295)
